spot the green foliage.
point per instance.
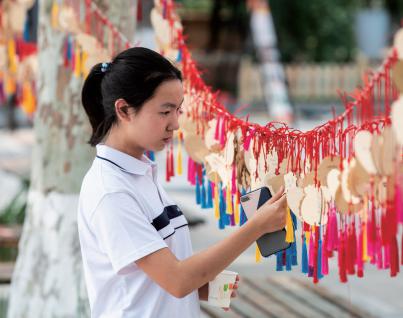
(14, 213)
(315, 30)
(201, 5)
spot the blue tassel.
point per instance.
(209, 195)
(203, 197)
(304, 261)
(294, 255)
(179, 57)
(223, 215)
(288, 259)
(69, 48)
(279, 261)
(294, 221)
(221, 224)
(320, 274)
(198, 199)
(151, 155)
(26, 36)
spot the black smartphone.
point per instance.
(269, 243)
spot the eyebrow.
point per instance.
(170, 105)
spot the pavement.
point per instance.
(377, 293)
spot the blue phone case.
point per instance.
(269, 243)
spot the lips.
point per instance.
(168, 139)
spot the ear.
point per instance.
(122, 109)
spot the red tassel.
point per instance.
(394, 257)
(350, 252)
(378, 251)
(402, 251)
(217, 130)
(342, 258)
(171, 161)
(168, 166)
(139, 10)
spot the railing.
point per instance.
(306, 82)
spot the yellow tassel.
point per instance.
(258, 255)
(28, 99)
(84, 71)
(307, 237)
(12, 59)
(289, 238)
(236, 216)
(55, 15)
(365, 256)
(229, 200)
(216, 201)
(77, 62)
(10, 86)
(179, 159)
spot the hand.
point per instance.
(272, 215)
(234, 288)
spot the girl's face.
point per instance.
(153, 126)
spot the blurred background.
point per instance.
(285, 60)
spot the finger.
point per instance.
(276, 196)
(234, 294)
(235, 286)
(282, 201)
(237, 278)
(226, 309)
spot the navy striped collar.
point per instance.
(124, 161)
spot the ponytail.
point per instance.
(91, 97)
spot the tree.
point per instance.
(48, 279)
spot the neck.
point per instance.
(118, 142)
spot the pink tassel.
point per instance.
(222, 134)
(325, 260)
(234, 188)
(402, 251)
(311, 250)
(378, 251)
(359, 260)
(399, 203)
(191, 172)
(386, 249)
(333, 232)
(248, 139)
(217, 130)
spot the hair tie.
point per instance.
(105, 67)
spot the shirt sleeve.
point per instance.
(123, 231)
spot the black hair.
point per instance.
(133, 75)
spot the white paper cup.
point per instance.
(220, 289)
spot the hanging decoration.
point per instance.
(343, 179)
(18, 56)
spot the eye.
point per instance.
(165, 113)
(180, 110)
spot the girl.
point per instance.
(135, 242)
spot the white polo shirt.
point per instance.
(123, 215)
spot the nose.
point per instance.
(174, 124)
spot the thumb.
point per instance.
(276, 196)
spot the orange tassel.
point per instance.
(258, 255)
